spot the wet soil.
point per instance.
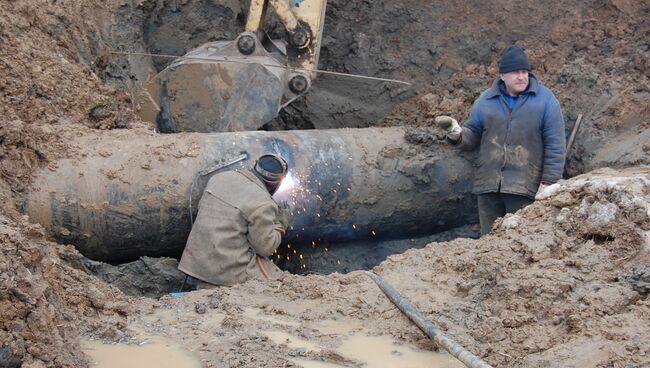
(562, 283)
(155, 277)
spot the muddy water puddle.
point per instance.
(152, 352)
(356, 345)
(371, 351)
(383, 351)
(307, 343)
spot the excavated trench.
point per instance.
(356, 196)
(359, 195)
(364, 194)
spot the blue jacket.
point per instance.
(519, 148)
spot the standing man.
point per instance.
(238, 225)
(517, 125)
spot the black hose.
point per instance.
(427, 326)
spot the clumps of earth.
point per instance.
(563, 282)
(48, 299)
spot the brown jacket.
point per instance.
(237, 220)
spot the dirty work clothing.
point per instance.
(237, 219)
(519, 147)
(494, 205)
(511, 101)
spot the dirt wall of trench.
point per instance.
(592, 54)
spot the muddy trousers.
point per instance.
(494, 205)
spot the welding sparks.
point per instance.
(287, 187)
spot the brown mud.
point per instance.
(563, 283)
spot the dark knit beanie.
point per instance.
(271, 168)
(513, 58)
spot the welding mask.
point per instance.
(271, 169)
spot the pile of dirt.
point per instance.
(565, 275)
(49, 89)
(47, 300)
(49, 94)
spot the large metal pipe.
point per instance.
(128, 195)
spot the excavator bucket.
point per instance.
(222, 86)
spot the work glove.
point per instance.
(540, 189)
(451, 126)
(283, 214)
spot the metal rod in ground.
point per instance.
(574, 132)
(427, 326)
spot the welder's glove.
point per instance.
(283, 214)
(451, 126)
(541, 188)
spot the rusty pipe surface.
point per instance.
(127, 195)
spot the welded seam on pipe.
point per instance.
(431, 330)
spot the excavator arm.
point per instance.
(241, 84)
(303, 20)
